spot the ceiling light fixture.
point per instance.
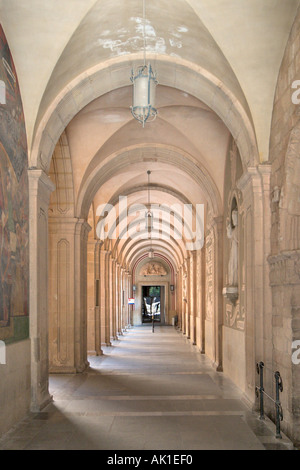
(144, 85)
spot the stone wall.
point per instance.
(285, 232)
(284, 149)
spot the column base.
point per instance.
(83, 367)
(38, 407)
(62, 370)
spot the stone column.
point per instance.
(126, 290)
(184, 297)
(119, 300)
(40, 188)
(91, 297)
(123, 294)
(218, 276)
(129, 294)
(189, 296)
(61, 294)
(214, 288)
(107, 299)
(200, 287)
(255, 188)
(82, 230)
(114, 299)
(180, 298)
(94, 324)
(98, 349)
(104, 297)
(98, 324)
(265, 172)
(193, 296)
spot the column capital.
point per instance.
(40, 175)
(253, 176)
(83, 227)
(104, 251)
(40, 185)
(62, 224)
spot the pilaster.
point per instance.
(40, 188)
(217, 226)
(114, 299)
(255, 207)
(82, 230)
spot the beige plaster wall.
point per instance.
(234, 360)
(15, 385)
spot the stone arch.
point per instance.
(62, 202)
(98, 80)
(90, 86)
(120, 160)
(140, 258)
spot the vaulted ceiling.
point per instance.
(217, 63)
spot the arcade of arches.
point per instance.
(226, 139)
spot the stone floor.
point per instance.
(148, 391)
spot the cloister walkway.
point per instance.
(148, 391)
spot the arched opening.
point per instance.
(87, 316)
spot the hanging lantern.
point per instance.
(144, 85)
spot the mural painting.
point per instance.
(14, 264)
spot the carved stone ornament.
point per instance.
(231, 293)
(292, 173)
(153, 269)
(235, 315)
(285, 268)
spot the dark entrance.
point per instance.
(151, 304)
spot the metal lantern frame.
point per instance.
(144, 83)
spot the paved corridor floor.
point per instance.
(150, 391)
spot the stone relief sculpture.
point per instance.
(209, 277)
(289, 202)
(231, 291)
(153, 269)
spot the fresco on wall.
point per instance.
(14, 267)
